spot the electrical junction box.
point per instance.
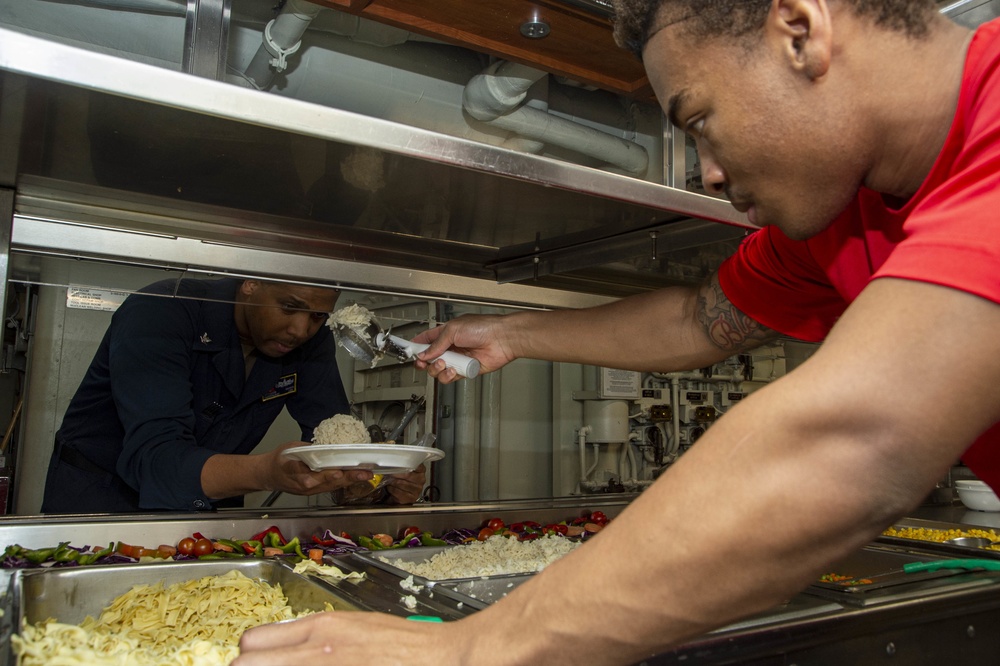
(692, 405)
(730, 398)
(696, 398)
(619, 384)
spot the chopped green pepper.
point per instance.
(252, 547)
(220, 555)
(273, 540)
(232, 544)
(426, 539)
(293, 546)
(66, 554)
(90, 558)
(42, 554)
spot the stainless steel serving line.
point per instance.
(953, 618)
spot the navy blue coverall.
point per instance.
(167, 390)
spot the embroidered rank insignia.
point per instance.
(286, 385)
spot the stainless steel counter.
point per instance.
(958, 514)
(953, 619)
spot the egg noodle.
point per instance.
(192, 622)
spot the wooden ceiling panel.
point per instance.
(579, 44)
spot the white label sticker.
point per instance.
(91, 298)
(619, 383)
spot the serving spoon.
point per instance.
(370, 342)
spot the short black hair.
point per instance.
(636, 21)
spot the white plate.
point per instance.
(379, 458)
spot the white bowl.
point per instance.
(977, 495)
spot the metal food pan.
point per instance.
(69, 594)
(475, 592)
(479, 593)
(420, 555)
(883, 565)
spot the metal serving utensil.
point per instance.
(371, 342)
(360, 344)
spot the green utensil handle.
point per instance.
(989, 565)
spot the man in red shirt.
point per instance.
(864, 136)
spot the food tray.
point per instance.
(481, 592)
(474, 592)
(417, 555)
(884, 566)
(69, 594)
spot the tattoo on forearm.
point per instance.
(725, 325)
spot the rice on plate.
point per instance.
(341, 429)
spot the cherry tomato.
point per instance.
(485, 534)
(599, 518)
(202, 547)
(407, 532)
(495, 524)
(185, 546)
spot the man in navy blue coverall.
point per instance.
(187, 380)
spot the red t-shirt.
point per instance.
(948, 234)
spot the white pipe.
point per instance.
(671, 446)
(499, 89)
(632, 461)
(466, 442)
(582, 440)
(489, 438)
(282, 37)
(495, 96)
(630, 455)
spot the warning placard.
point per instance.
(93, 298)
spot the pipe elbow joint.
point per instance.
(484, 100)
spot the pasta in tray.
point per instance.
(192, 622)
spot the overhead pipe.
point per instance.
(282, 38)
(168, 7)
(496, 97)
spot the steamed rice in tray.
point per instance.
(341, 429)
(497, 556)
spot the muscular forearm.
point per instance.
(677, 328)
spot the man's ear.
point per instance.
(802, 30)
(249, 287)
